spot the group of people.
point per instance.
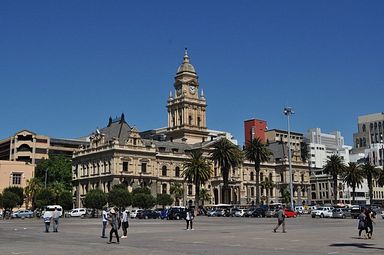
(49, 217)
(366, 222)
(115, 220)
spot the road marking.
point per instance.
(295, 240)
(235, 245)
(196, 242)
(258, 238)
(333, 252)
(276, 248)
(22, 252)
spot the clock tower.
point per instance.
(187, 109)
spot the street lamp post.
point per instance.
(288, 112)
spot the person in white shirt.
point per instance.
(125, 223)
(56, 217)
(189, 219)
(105, 222)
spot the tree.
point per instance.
(58, 169)
(164, 200)
(177, 190)
(119, 197)
(10, 200)
(1, 200)
(18, 191)
(353, 176)
(370, 172)
(285, 195)
(44, 197)
(65, 200)
(380, 178)
(143, 200)
(334, 167)
(204, 196)
(57, 189)
(141, 190)
(95, 199)
(197, 170)
(33, 187)
(267, 184)
(226, 155)
(256, 151)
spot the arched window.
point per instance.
(252, 176)
(164, 171)
(177, 171)
(363, 127)
(164, 188)
(261, 177)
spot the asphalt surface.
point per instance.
(211, 236)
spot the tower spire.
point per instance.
(186, 57)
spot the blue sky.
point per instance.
(66, 66)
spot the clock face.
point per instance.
(192, 89)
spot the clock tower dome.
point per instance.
(187, 109)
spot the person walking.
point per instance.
(56, 217)
(114, 226)
(104, 222)
(125, 224)
(280, 219)
(369, 222)
(189, 219)
(362, 225)
(47, 217)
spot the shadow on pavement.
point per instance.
(357, 245)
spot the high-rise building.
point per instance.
(254, 128)
(370, 130)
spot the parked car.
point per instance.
(176, 213)
(322, 212)
(78, 212)
(382, 215)
(355, 212)
(270, 213)
(289, 213)
(299, 209)
(164, 214)
(147, 214)
(255, 212)
(212, 212)
(239, 212)
(22, 214)
(134, 212)
(341, 213)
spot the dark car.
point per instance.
(164, 214)
(176, 213)
(255, 212)
(147, 214)
(355, 212)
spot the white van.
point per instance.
(78, 212)
(51, 208)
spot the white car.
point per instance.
(240, 212)
(382, 215)
(134, 212)
(78, 212)
(322, 212)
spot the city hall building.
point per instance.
(120, 153)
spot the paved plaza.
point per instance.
(224, 236)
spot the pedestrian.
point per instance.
(114, 225)
(47, 217)
(369, 221)
(105, 222)
(56, 217)
(362, 225)
(280, 219)
(125, 224)
(189, 219)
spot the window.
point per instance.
(164, 188)
(16, 178)
(198, 121)
(189, 190)
(143, 167)
(252, 176)
(164, 171)
(252, 191)
(177, 171)
(190, 120)
(261, 177)
(302, 177)
(125, 166)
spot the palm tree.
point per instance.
(370, 172)
(334, 167)
(197, 170)
(380, 178)
(33, 187)
(258, 152)
(226, 155)
(177, 190)
(204, 196)
(267, 184)
(353, 177)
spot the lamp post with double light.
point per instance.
(288, 112)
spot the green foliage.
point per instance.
(95, 199)
(1, 200)
(10, 199)
(141, 190)
(65, 200)
(370, 172)
(44, 197)
(143, 200)
(285, 196)
(33, 187)
(177, 190)
(164, 200)
(334, 167)
(204, 195)
(18, 191)
(59, 170)
(354, 177)
(119, 186)
(119, 197)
